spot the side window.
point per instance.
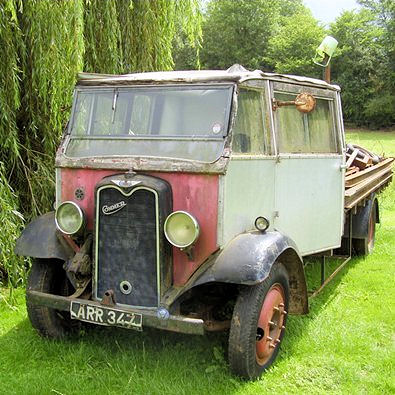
(81, 113)
(250, 133)
(140, 115)
(297, 132)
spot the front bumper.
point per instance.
(175, 323)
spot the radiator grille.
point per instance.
(127, 245)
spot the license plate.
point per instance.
(105, 316)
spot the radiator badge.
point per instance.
(108, 210)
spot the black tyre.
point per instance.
(365, 246)
(49, 277)
(258, 324)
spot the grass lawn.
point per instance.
(345, 345)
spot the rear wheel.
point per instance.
(48, 276)
(258, 324)
(365, 246)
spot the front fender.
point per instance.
(248, 259)
(39, 240)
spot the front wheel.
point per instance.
(258, 324)
(49, 277)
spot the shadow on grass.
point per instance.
(149, 360)
(298, 325)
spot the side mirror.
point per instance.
(324, 52)
(304, 103)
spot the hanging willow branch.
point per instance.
(11, 266)
(54, 48)
(53, 44)
(103, 52)
(10, 36)
(123, 36)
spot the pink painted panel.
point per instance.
(198, 195)
(194, 193)
(86, 179)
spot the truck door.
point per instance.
(309, 176)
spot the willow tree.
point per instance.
(9, 82)
(52, 56)
(11, 220)
(137, 35)
(102, 37)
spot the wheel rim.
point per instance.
(271, 323)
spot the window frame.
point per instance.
(262, 87)
(117, 88)
(318, 93)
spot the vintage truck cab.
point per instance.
(186, 201)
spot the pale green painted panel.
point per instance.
(309, 200)
(248, 192)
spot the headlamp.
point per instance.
(69, 218)
(181, 229)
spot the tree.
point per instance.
(238, 32)
(278, 35)
(380, 109)
(137, 35)
(360, 69)
(292, 48)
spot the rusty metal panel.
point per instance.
(144, 163)
(195, 193)
(39, 239)
(85, 180)
(177, 323)
(198, 195)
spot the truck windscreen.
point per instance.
(178, 122)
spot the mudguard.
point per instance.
(39, 239)
(248, 259)
(360, 220)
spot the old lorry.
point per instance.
(186, 201)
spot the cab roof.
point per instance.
(236, 73)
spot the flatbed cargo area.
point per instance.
(366, 173)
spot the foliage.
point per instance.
(51, 57)
(238, 32)
(137, 35)
(102, 37)
(11, 266)
(260, 34)
(380, 109)
(355, 61)
(185, 54)
(364, 65)
(292, 47)
(9, 83)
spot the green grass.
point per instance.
(382, 142)
(345, 345)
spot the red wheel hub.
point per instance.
(270, 323)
